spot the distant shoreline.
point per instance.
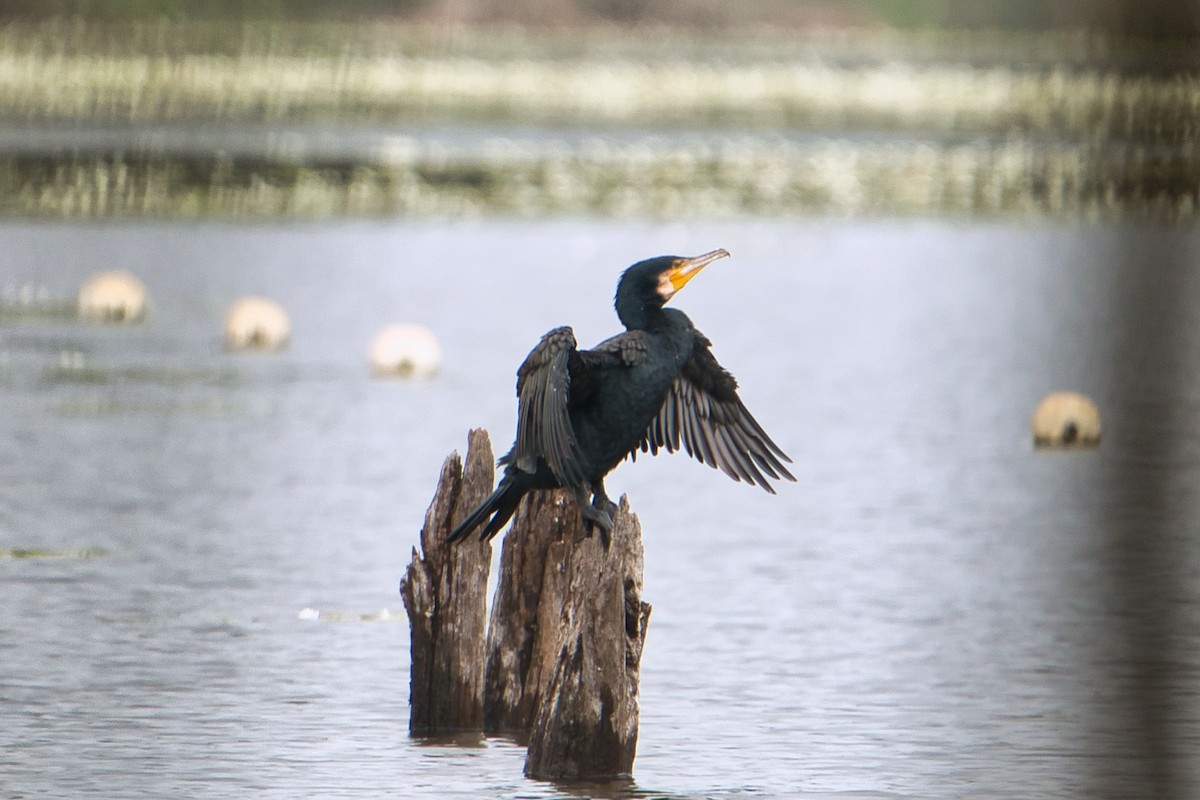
(669, 180)
(1046, 134)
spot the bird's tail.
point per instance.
(500, 505)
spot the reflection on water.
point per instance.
(930, 612)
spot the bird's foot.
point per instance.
(597, 518)
(602, 503)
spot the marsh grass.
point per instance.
(1028, 126)
(739, 178)
(37, 309)
(931, 99)
(117, 407)
(27, 553)
(94, 375)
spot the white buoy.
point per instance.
(1066, 419)
(405, 351)
(113, 296)
(257, 323)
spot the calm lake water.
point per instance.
(934, 610)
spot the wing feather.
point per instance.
(543, 418)
(703, 415)
(554, 378)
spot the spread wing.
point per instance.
(703, 413)
(543, 420)
(554, 378)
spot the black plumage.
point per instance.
(655, 386)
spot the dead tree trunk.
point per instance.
(514, 677)
(564, 646)
(587, 717)
(445, 595)
(565, 641)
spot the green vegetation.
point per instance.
(73, 73)
(206, 9)
(1157, 19)
(80, 373)
(7, 553)
(757, 123)
(1098, 183)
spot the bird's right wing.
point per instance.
(543, 421)
(703, 413)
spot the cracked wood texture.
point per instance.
(565, 641)
(513, 678)
(445, 595)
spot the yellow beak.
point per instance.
(684, 269)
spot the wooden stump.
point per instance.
(564, 646)
(445, 595)
(513, 677)
(565, 641)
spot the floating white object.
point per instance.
(405, 351)
(1066, 419)
(113, 296)
(257, 323)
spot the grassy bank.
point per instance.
(634, 181)
(167, 71)
(648, 42)
(675, 94)
(1049, 133)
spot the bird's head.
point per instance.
(649, 284)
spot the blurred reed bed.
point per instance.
(1048, 124)
(661, 93)
(747, 177)
(645, 42)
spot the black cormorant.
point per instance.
(657, 385)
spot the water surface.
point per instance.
(934, 610)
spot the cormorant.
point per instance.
(657, 385)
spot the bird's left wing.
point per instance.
(543, 420)
(703, 413)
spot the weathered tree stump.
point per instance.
(564, 645)
(445, 595)
(513, 677)
(565, 641)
